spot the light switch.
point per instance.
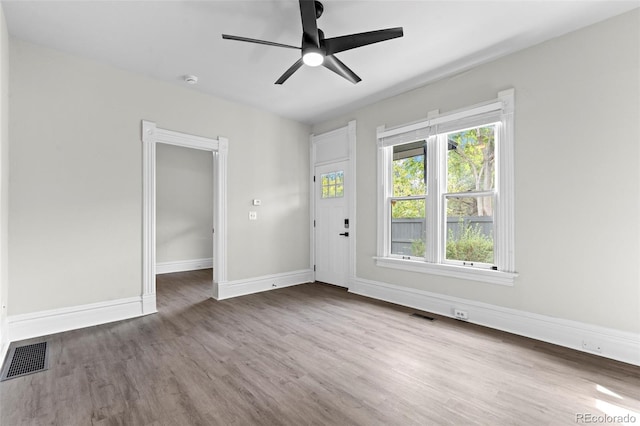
(253, 216)
(257, 202)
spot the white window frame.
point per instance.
(501, 111)
(421, 197)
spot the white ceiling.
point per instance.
(169, 39)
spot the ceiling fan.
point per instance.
(317, 50)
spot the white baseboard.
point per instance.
(236, 288)
(4, 348)
(26, 326)
(4, 342)
(183, 265)
(610, 343)
(149, 304)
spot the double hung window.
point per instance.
(407, 201)
(446, 194)
(469, 196)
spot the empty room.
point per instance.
(281, 212)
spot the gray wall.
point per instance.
(577, 174)
(4, 175)
(184, 204)
(75, 233)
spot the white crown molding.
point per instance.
(237, 288)
(42, 323)
(184, 265)
(615, 344)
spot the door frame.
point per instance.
(219, 148)
(350, 156)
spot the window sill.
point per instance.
(465, 273)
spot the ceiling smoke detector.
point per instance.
(190, 79)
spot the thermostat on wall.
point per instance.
(257, 202)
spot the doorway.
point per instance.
(151, 136)
(184, 209)
(332, 223)
(333, 205)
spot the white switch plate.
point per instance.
(253, 216)
(257, 202)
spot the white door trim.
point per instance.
(151, 135)
(351, 158)
(352, 203)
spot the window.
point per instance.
(446, 194)
(332, 184)
(408, 199)
(469, 196)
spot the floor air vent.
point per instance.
(422, 316)
(25, 360)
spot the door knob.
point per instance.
(345, 234)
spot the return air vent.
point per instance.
(25, 360)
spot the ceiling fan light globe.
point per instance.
(313, 59)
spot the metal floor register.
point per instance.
(24, 360)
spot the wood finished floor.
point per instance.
(307, 355)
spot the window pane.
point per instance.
(408, 227)
(409, 169)
(471, 160)
(332, 184)
(469, 234)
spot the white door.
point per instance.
(332, 223)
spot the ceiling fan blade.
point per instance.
(337, 66)
(309, 23)
(340, 44)
(288, 73)
(253, 40)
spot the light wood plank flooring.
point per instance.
(308, 355)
